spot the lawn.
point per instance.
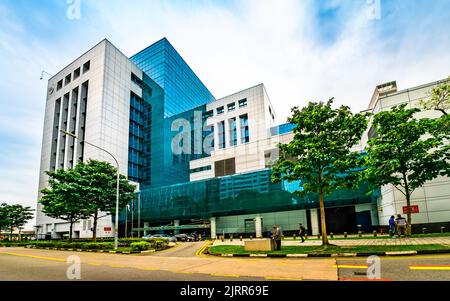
(225, 249)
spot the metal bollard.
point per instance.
(240, 238)
(375, 233)
(345, 234)
(293, 236)
(331, 235)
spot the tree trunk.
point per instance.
(94, 230)
(11, 233)
(70, 233)
(408, 205)
(322, 219)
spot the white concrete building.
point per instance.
(433, 199)
(91, 99)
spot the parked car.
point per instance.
(184, 237)
(165, 236)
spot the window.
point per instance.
(200, 169)
(245, 135)
(243, 103)
(76, 73)
(233, 131)
(231, 107)
(86, 66)
(68, 79)
(221, 134)
(225, 167)
(220, 110)
(59, 85)
(209, 114)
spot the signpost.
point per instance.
(414, 209)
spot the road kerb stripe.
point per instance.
(430, 268)
(350, 266)
(225, 275)
(283, 278)
(36, 257)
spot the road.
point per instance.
(184, 263)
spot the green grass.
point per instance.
(225, 249)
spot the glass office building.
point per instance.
(180, 94)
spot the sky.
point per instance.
(301, 50)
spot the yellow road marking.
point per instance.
(200, 251)
(350, 266)
(430, 268)
(118, 266)
(283, 278)
(226, 275)
(34, 256)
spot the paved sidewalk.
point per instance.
(354, 242)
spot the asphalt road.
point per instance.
(184, 263)
(16, 268)
(409, 268)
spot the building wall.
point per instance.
(433, 198)
(106, 123)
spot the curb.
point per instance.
(91, 250)
(318, 255)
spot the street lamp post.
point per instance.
(116, 224)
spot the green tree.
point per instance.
(406, 152)
(100, 179)
(320, 153)
(439, 99)
(64, 198)
(14, 216)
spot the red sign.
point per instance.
(107, 229)
(414, 209)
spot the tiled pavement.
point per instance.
(355, 242)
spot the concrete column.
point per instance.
(176, 223)
(314, 221)
(146, 225)
(53, 233)
(212, 221)
(258, 226)
(216, 136)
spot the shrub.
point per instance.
(140, 246)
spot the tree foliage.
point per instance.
(320, 153)
(101, 186)
(14, 216)
(85, 191)
(439, 99)
(65, 197)
(406, 152)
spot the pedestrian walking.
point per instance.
(392, 225)
(302, 232)
(401, 225)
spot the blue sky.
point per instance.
(301, 50)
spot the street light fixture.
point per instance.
(116, 224)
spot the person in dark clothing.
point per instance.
(392, 226)
(302, 232)
(276, 236)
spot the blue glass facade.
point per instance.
(180, 95)
(248, 193)
(183, 90)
